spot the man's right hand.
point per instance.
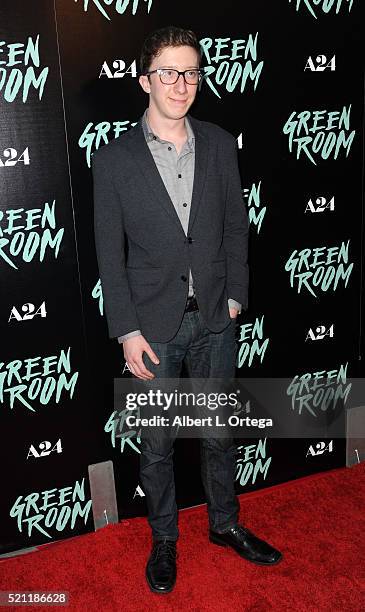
(133, 350)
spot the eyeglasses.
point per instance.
(169, 76)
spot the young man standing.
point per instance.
(169, 190)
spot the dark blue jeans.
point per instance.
(205, 355)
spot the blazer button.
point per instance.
(183, 278)
(190, 240)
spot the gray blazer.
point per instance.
(143, 253)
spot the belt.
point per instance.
(191, 304)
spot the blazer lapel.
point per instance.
(142, 155)
(200, 170)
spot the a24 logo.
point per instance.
(120, 69)
(29, 311)
(320, 448)
(320, 204)
(45, 448)
(11, 157)
(320, 333)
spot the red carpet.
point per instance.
(317, 522)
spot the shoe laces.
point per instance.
(240, 530)
(165, 549)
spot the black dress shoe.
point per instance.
(247, 545)
(161, 567)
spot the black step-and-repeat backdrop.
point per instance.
(286, 79)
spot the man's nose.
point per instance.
(180, 84)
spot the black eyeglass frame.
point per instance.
(159, 70)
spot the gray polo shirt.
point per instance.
(177, 172)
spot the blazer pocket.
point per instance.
(143, 276)
(219, 267)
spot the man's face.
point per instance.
(171, 101)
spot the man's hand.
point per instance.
(233, 312)
(133, 350)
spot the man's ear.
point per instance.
(144, 83)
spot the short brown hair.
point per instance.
(169, 36)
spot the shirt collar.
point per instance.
(149, 135)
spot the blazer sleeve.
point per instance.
(235, 235)
(110, 244)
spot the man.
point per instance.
(169, 190)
